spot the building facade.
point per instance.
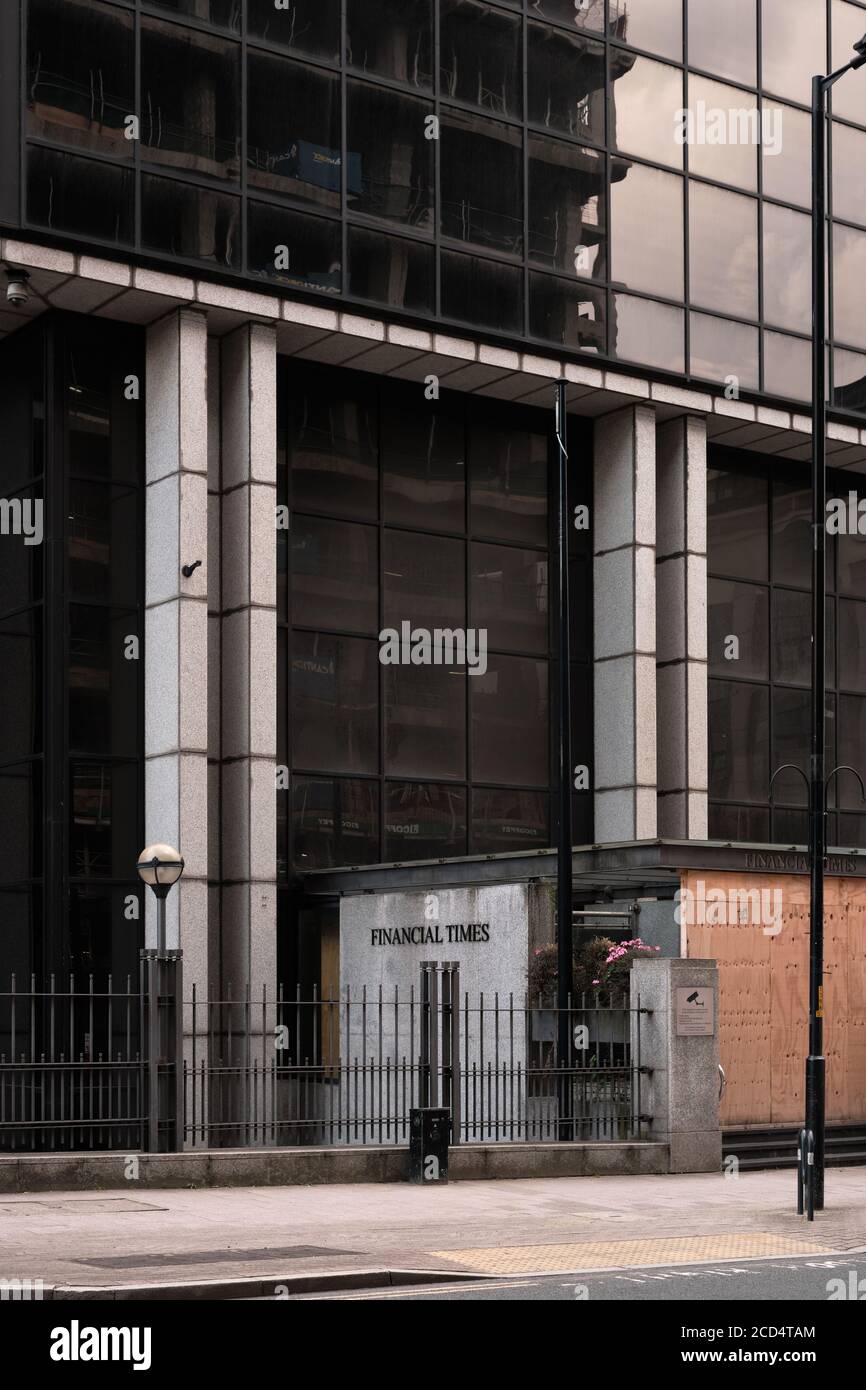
(300, 279)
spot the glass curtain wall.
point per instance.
(760, 654)
(516, 166)
(412, 520)
(71, 641)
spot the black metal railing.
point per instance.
(342, 1069)
(71, 1070)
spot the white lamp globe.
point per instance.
(160, 866)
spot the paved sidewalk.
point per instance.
(168, 1237)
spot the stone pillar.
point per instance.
(681, 593)
(176, 655)
(624, 580)
(248, 643)
(214, 635)
(681, 1093)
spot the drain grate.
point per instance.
(211, 1257)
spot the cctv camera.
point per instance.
(17, 291)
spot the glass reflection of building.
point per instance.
(508, 165)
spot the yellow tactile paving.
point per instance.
(614, 1254)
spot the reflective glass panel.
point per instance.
(80, 75)
(585, 14)
(565, 83)
(737, 525)
(794, 44)
(335, 703)
(787, 153)
(481, 292)
(423, 821)
(391, 270)
(647, 252)
(787, 268)
(392, 38)
(511, 597)
(335, 821)
(480, 51)
(849, 380)
(739, 630)
(647, 100)
(424, 581)
(509, 484)
(295, 249)
(81, 196)
(566, 207)
(787, 367)
(293, 130)
(190, 100)
(724, 133)
(423, 460)
(723, 250)
(849, 256)
(511, 722)
(739, 738)
(720, 349)
(852, 645)
(390, 163)
(723, 39)
(335, 582)
(425, 721)
(656, 25)
(642, 331)
(312, 26)
(503, 821)
(333, 443)
(482, 182)
(849, 26)
(849, 154)
(197, 224)
(566, 313)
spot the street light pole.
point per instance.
(160, 867)
(815, 1062)
(564, 904)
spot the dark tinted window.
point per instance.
(81, 75)
(300, 251)
(190, 100)
(391, 38)
(390, 162)
(81, 196)
(391, 270)
(482, 183)
(480, 56)
(199, 224)
(293, 130)
(311, 26)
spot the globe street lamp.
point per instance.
(160, 867)
(815, 1063)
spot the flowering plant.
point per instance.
(614, 975)
(601, 967)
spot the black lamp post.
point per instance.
(564, 905)
(160, 867)
(815, 1063)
